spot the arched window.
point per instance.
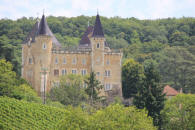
(98, 45)
(44, 45)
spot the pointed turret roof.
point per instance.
(86, 36)
(42, 28)
(45, 30)
(98, 31)
(31, 36)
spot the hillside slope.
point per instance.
(15, 114)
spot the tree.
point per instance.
(135, 37)
(70, 91)
(177, 68)
(179, 38)
(113, 117)
(150, 95)
(7, 78)
(93, 87)
(132, 77)
(179, 113)
(25, 92)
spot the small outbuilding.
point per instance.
(170, 92)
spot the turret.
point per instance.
(37, 53)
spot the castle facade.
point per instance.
(44, 60)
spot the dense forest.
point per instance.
(168, 43)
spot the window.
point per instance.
(64, 61)
(56, 60)
(30, 60)
(56, 84)
(84, 61)
(107, 87)
(83, 72)
(107, 62)
(56, 72)
(44, 46)
(98, 45)
(107, 73)
(74, 71)
(74, 61)
(63, 72)
(98, 73)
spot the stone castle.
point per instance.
(44, 60)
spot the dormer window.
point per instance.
(98, 45)
(44, 45)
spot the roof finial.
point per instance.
(97, 12)
(43, 11)
(37, 14)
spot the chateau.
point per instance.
(44, 60)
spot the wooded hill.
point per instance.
(169, 43)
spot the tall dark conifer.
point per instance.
(150, 95)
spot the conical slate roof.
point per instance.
(85, 38)
(42, 28)
(98, 31)
(31, 36)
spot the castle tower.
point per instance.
(98, 46)
(36, 56)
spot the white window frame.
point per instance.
(74, 70)
(64, 72)
(107, 87)
(98, 73)
(107, 73)
(83, 72)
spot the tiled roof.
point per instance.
(42, 28)
(85, 41)
(33, 33)
(169, 91)
(98, 31)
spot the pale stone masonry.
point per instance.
(41, 52)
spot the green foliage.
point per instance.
(150, 94)
(179, 113)
(7, 78)
(118, 117)
(93, 87)
(70, 91)
(17, 114)
(114, 117)
(25, 92)
(177, 68)
(132, 77)
(179, 38)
